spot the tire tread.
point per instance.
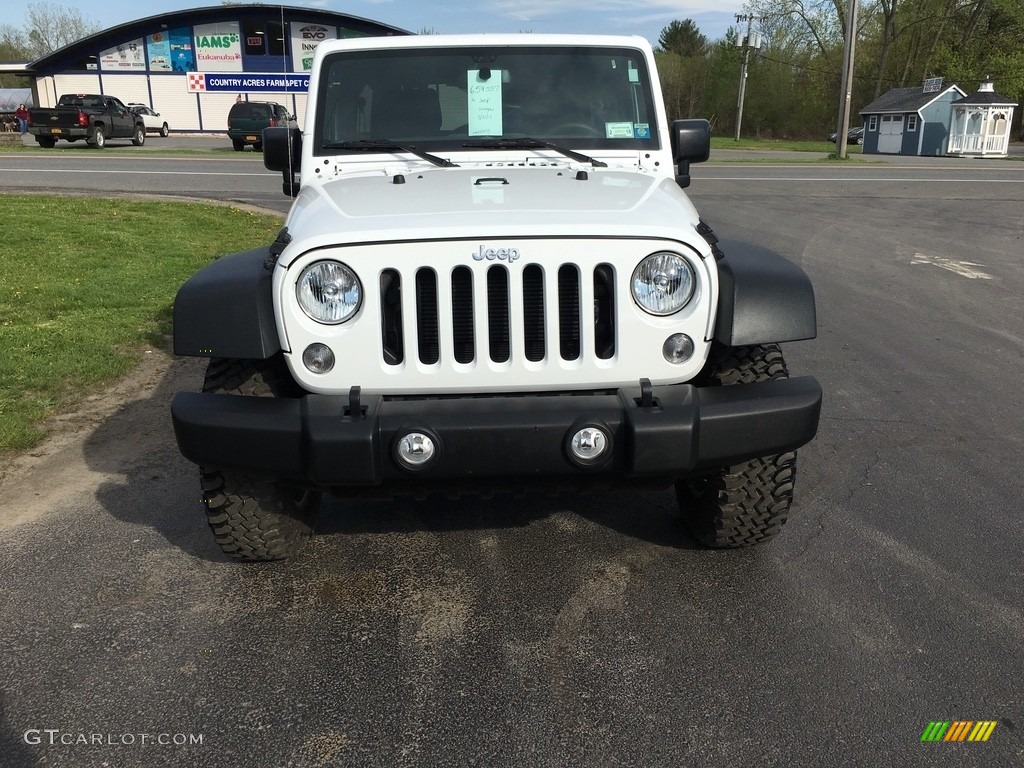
(747, 503)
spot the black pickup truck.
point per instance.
(88, 116)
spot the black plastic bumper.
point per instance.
(316, 439)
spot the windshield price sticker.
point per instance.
(484, 89)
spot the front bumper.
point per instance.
(317, 439)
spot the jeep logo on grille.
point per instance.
(496, 254)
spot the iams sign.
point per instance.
(216, 41)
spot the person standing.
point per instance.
(21, 113)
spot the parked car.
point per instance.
(853, 136)
(154, 122)
(90, 116)
(247, 119)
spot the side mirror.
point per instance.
(282, 151)
(691, 143)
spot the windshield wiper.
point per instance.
(528, 143)
(372, 145)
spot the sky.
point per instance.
(630, 17)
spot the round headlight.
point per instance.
(329, 292)
(663, 283)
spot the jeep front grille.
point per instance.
(491, 331)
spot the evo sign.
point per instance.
(306, 36)
(247, 82)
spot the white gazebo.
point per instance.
(981, 123)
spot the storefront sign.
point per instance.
(124, 57)
(182, 56)
(158, 51)
(249, 82)
(306, 36)
(218, 47)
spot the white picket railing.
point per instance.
(978, 144)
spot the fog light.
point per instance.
(318, 358)
(678, 348)
(416, 449)
(588, 445)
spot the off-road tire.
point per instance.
(139, 137)
(238, 145)
(747, 503)
(46, 143)
(98, 140)
(253, 517)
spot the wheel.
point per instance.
(140, 136)
(747, 503)
(254, 517)
(46, 142)
(98, 140)
(258, 146)
(164, 130)
(238, 145)
(574, 129)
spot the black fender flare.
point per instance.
(226, 309)
(762, 297)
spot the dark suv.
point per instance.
(247, 119)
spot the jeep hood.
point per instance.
(491, 201)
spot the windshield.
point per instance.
(453, 98)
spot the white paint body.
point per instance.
(526, 202)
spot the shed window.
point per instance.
(873, 123)
(912, 123)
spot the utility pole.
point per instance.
(747, 43)
(846, 87)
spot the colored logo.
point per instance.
(959, 730)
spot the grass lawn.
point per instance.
(86, 284)
(787, 145)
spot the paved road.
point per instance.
(223, 175)
(587, 631)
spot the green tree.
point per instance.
(683, 38)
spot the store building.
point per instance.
(192, 65)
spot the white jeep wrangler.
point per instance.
(491, 278)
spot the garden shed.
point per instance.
(910, 121)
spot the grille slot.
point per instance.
(463, 341)
(569, 311)
(604, 312)
(391, 317)
(497, 314)
(428, 335)
(533, 313)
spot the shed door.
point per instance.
(890, 135)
